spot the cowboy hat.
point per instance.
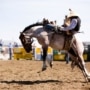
(72, 14)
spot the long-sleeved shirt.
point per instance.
(71, 26)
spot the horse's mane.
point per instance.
(32, 25)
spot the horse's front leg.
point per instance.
(44, 57)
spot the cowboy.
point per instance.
(72, 23)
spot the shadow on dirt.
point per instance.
(31, 82)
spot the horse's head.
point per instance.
(26, 42)
(26, 36)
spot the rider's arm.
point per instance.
(71, 26)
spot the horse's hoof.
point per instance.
(88, 79)
(43, 69)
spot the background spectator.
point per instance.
(15, 44)
(10, 46)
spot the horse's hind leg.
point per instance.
(83, 68)
(74, 61)
(73, 57)
(80, 61)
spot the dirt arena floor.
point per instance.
(27, 75)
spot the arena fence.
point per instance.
(20, 53)
(36, 54)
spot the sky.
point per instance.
(15, 15)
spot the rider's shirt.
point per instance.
(74, 25)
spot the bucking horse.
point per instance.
(56, 40)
